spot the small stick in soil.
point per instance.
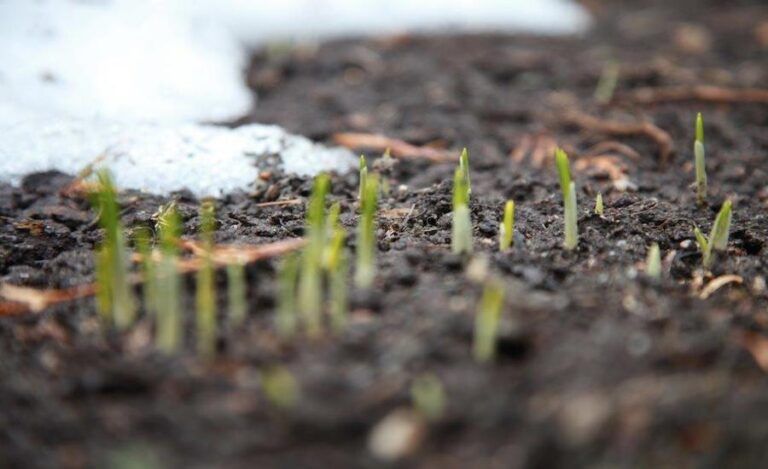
(653, 262)
(398, 148)
(206, 292)
(487, 321)
(705, 94)
(507, 227)
(608, 127)
(699, 162)
(279, 203)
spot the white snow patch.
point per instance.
(131, 78)
(161, 158)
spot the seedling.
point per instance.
(143, 240)
(653, 262)
(428, 396)
(487, 321)
(115, 297)
(461, 234)
(338, 270)
(571, 219)
(310, 280)
(206, 294)
(280, 387)
(464, 165)
(236, 292)
(599, 208)
(363, 177)
(563, 171)
(507, 230)
(606, 86)
(718, 236)
(168, 282)
(365, 268)
(699, 164)
(286, 320)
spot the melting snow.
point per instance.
(131, 80)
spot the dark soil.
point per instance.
(598, 365)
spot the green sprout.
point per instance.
(286, 320)
(428, 396)
(464, 165)
(143, 240)
(338, 269)
(507, 230)
(487, 321)
(115, 298)
(606, 86)
(461, 234)
(699, 162)
(280, 387)
(571, 219)
(599, 208)
(168, 281)
(365, 267)
(363, 177)
(718, 236)
(563, 171)
(310, 280)
(206, 292)
(236, 292)
(653, 262)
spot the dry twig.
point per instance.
(398, 148)
(709, 94)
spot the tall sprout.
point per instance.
(365, 267)
(310, 280)
(206, 292)
(338, 270)
(143, 240)
(568, 189)
(487, 321)
(718, 236)
(699, 162)
(461, 230)
(286, 319)
(236, 292)
(115, 297)
(169, 282)
(507, 230)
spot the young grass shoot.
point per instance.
(461, 232)
(568, 189)
(206, 291)
(115, 295)
(365, 268)
(599, 207)
(310, 280)
(507, 229)
(718, 236)
(699, 162)
(653, 262)
(487, 321)
(286, 320)
(168, 282)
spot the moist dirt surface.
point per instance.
(597, 365)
